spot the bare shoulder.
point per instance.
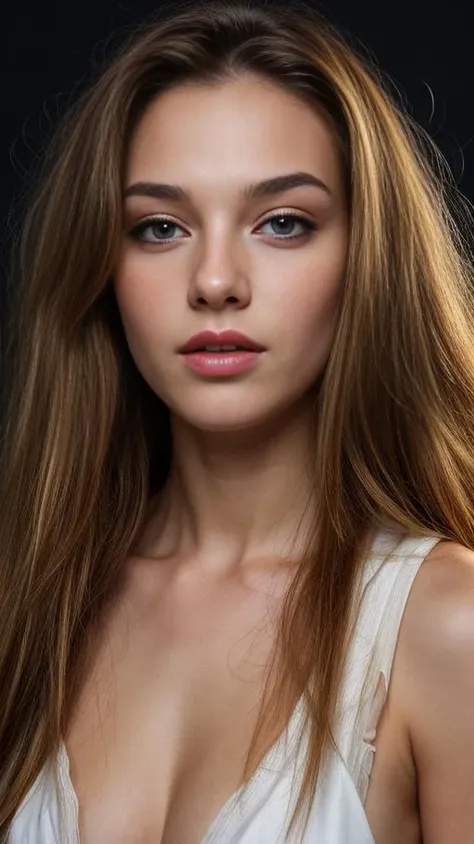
(439, 617)
(436, 640)
(433, 674)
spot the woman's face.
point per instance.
(216, 258)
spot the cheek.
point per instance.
(144, 312)
(309, 295)
(310, 318)
(142, 321)
(134, 288)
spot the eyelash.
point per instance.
(137, 230)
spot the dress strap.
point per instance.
(389, 574)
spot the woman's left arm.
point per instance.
(438, 683)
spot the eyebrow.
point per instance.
(255, 190)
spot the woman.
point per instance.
(236, 522)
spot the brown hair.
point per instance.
(85, 442)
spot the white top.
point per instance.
(49, 812)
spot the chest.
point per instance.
(159, 735)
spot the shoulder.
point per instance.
(433, 679)
(439, 618)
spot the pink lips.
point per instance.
(223, 361)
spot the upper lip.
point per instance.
(222, 338)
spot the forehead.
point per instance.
(242, 129)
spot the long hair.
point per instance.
(86, 443)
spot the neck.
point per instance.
(233, 498)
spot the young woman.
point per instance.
(237, 486)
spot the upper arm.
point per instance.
(437, 683)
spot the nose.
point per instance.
(219, 283)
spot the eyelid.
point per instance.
(289, 212)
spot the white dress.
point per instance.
(49, 812)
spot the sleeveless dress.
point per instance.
(260, 812)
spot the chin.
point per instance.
(225, 423)
(233, 416)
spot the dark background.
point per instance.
(50, 49)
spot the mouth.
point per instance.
(227, 353)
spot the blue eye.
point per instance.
(291, 219)
(155, 225)
(288, 220)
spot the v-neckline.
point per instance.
(224, 816)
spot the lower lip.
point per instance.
(217, 364)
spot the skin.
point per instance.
(219, 273)
(160, 730)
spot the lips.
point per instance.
(224, 338)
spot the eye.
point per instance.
(288, 220)
(166, 226)
(157, 224)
